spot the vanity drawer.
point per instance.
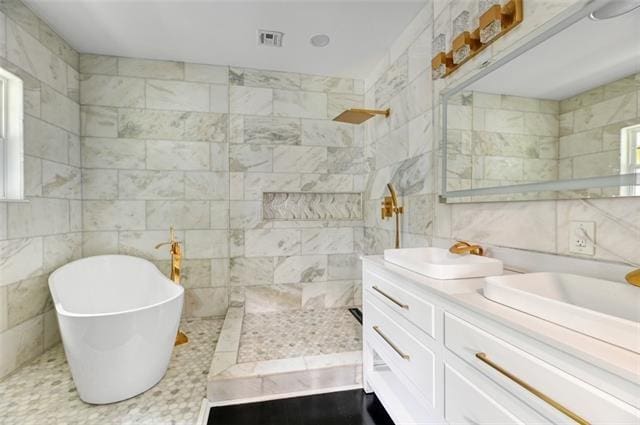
(500, 358)
(407, 357)
(406, 303)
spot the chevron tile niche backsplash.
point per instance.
(311, 206)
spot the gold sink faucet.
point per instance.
(389, 208)
(176, 260)
(633, 277)
(462, 247)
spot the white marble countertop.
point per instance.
(467, 293)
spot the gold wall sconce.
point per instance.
(494, 23)
(390, 208)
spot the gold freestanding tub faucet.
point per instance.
(389, 208)
(462, 247)
(176, 260)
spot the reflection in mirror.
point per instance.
(567, 110)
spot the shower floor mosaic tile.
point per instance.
(43, 392)
(282, 335)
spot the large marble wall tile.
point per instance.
(337, 103)
(20, 344)
(219, 214)
(172, 155)
(40, 216)
(206, 244)
(99, 184)
(219, 98)
(250, 100)
(143, 124)
(60, 181)
(98, 121)
(98, 64)
(344, 267)
(73, 84)
(61, 249)
(206, 73)
(328, 84)
(312, 206)
(112, 153)
(60, 110)
(206, 302)
(206, 127)
(29, 54)
(327, 294)
(177, 95)
(104, 90)
(213, 185)
(99, 243)
(262, 78)
(113, 215)
(327, 133)
(305, 268)
(252, 158)
(264, 299)
(327, 241)
(272, 242)
(299, 104)
(151, 68)
(32, 176)
(256, 183)
(620, 108)
(251, 271)
(327, 183)
(300, 159)
(17, 11)
(20, 259)
(245, 214)
(180, 214)
(394, 79)
(271, 131)
(346, 161)
(3, 309)
(143, 243)
(151, 184)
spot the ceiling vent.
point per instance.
(270, 38)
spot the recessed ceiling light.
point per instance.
(614, 9)
(320, 40)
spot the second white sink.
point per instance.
(439, 263)
(609, 311)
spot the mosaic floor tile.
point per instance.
(282, 335)
(43, 392)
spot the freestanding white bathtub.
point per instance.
(118, 318)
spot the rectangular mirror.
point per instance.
(559, 118)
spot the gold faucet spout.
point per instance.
(462, 247)
(633, 278)
(390, 208)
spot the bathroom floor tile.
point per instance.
(43, 391)
(289, 334)
(340, 408)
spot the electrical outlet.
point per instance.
(579, 243)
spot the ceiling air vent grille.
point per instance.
(270, 38)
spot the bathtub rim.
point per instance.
(63, 312)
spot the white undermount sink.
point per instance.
(439, 263)
(609, 311)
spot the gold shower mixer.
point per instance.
(390, 208)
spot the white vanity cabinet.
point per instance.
(432, 360)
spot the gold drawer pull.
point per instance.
(483, 358)
(390, 298)
(391, 344)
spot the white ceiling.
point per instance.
(224, 32)
(586, 55)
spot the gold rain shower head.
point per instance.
(358, 116)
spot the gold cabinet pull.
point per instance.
(391, 344)
(390, 298)
(483, 358)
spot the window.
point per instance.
(11, 137)
(630, 157)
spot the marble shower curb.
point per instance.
(231, 382)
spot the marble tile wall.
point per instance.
(496, 140)
(282, 139)
(44, 232)
(590, 128)
(536, 226)
(195, 146)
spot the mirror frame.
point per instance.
(572, 15)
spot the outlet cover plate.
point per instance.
(578, 243)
